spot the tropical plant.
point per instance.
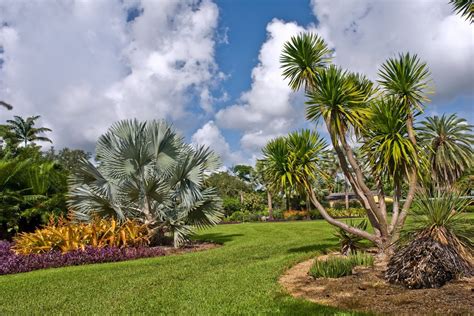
(343, 102)
(437, 244)
(25, 130)
(464, 8)
(337, 267)
(449, 141)
(350, 243)
(65, 235)
(146, 172)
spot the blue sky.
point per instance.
(209, 67)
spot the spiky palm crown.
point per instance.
(388, 150)
(441, 217)
(407, 78)
(449, 141)
(25, 130)
(464, 8)
(302, 58)
(145, 171)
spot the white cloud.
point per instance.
(209, 135)
(269, 108)
(82, 66)
(365, 33)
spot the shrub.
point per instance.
(350, 212)
(64, 235)
(231, 205)
(11, 262)
(253, 203)
(337, 267)
(295, 214)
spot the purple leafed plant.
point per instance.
(11, 262)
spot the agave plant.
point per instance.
(438, 243)
(146, 172)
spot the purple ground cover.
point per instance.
(13, 263)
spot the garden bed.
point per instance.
(11, 263)
(367, 291)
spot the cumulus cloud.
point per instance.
(269, 108)
(84, 64)
(365, 33)
(209, 135)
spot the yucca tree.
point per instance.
(391, 155)
(406, 78)
(25, 130)
(449, 141)
(342, 101)
(464, 8)
(145, 171)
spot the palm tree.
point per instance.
(6, 105)
(465, 8)
(24, 130)
(303, 57)
(389, 152)
(145, 171)
(449, 141)
(263, 180)
(406, 78)
(342, 101)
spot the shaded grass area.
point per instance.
(241, 277)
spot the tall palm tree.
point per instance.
(406, 78)
(389, 152)
(464, 8)
(25, 130)
(449, 140)
(145, 171)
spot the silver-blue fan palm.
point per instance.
(145, 171)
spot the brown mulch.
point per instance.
(191, 247)
(367, 291)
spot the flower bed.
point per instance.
(11, 262)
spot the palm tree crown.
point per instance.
(25, 130)
(449, 140)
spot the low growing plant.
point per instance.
(64, 235)
(11, 262)
(350, 243)
(337, 267)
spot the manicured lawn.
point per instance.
(238, 278)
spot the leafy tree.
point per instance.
(145, 171)
(449, 141)
(25, 130)
(227, 185)
(69, 159)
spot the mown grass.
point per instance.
(241, 277)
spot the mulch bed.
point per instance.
(367, 291)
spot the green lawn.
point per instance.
(238, 278)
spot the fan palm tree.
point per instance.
(465, 8)
(406, 79)
(146, 172)
(449, 140)
(25, 130)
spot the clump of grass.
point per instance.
(337, 267)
